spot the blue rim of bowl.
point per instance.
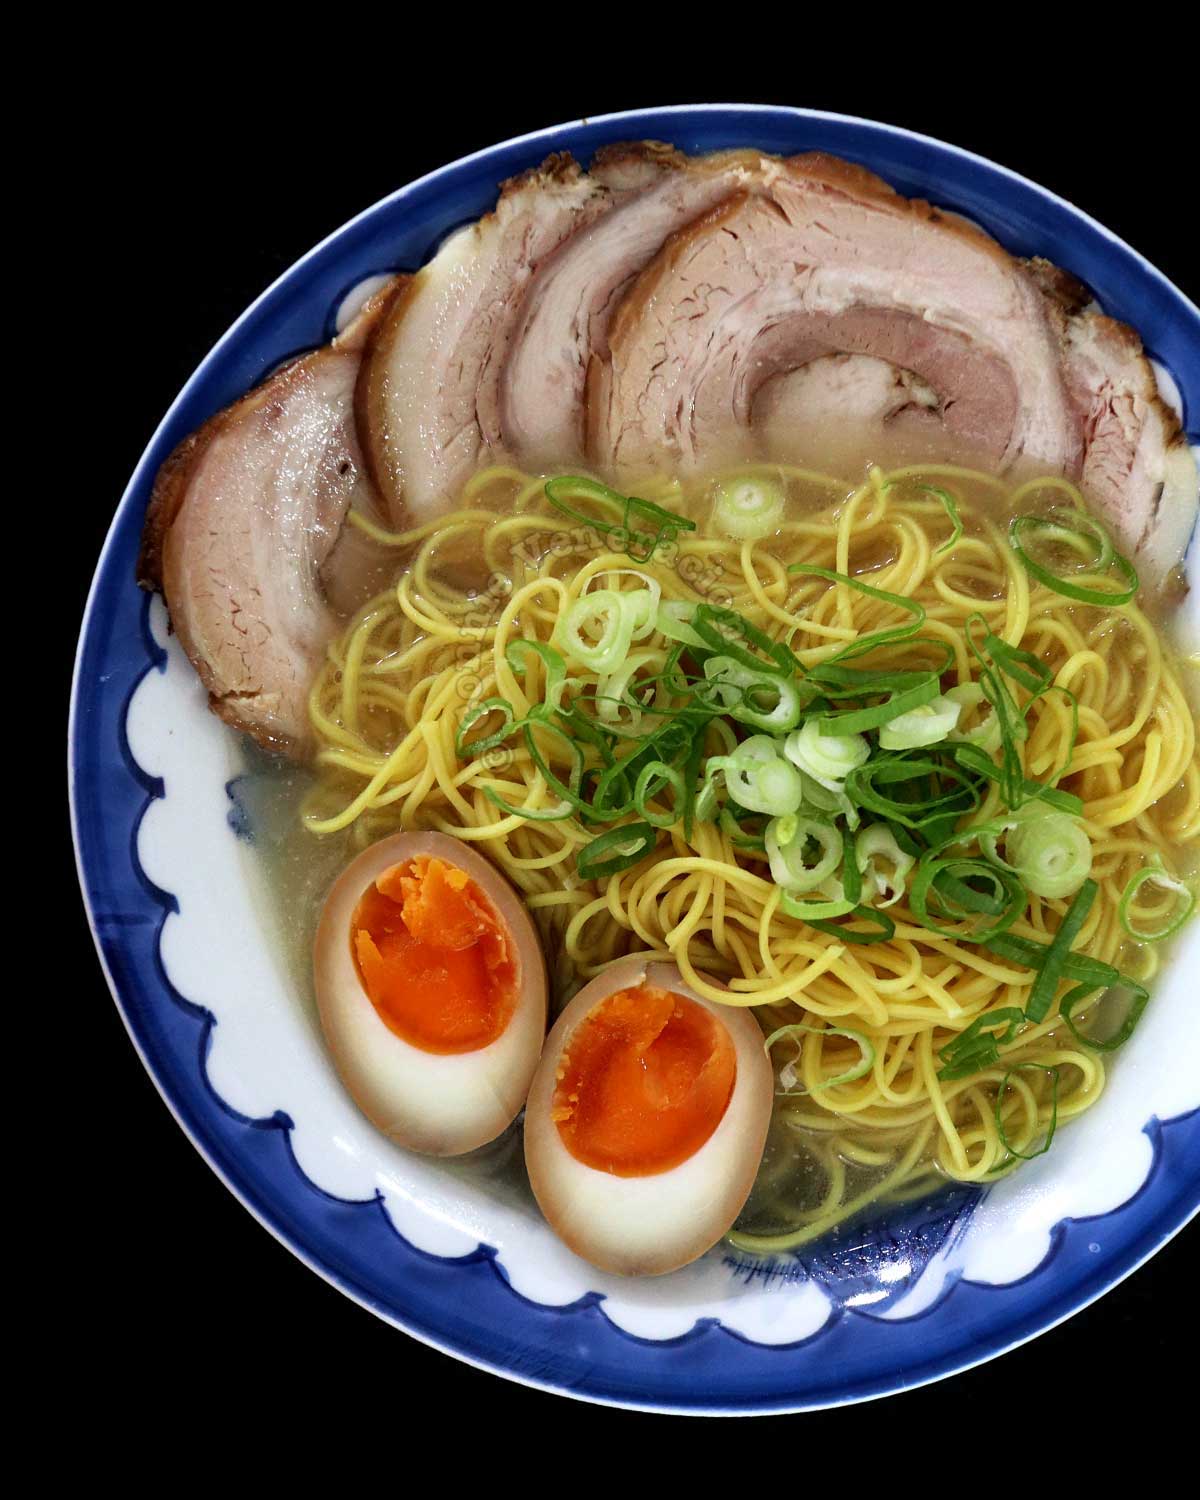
(465, 1307)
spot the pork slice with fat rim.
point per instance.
(1138, 467)
(826, 260)
(245, 536)
(570, 301)
(769, 323)
(428, 394)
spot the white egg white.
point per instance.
(645, 1226)
(442, 1105)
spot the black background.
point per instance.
(201, 190)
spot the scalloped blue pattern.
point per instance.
(465, 1305)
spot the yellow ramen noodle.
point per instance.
(388, 703)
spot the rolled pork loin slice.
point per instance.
(246, 537)
(828, 260)
(778, 307)
(1138, 467)
(570, 301)
(427, 398)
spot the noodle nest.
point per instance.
(388, 702)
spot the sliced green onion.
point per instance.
(924, 725)
(827, 758)
(936, 790)
(822, 798)
(612, 515)
(878, 843)
(787, 1074)
(976, 1048)
(951, 505)
(840, 681)
(989, 836)
(759, 778)
(636, 527)
(1022, 527)
(1053, 1126)
(570, 790)
(615, 851)
(733, 821)
(668, 523)
(1078, 966)
(984, 834)
(515, 654)
(971, 758)
(1045, 986)
(700, 804)
(646, 600)
(612, 794)
(562, 809)
(465, 748)
(876, 637)
(987, 734)
(764, 700)
(777, 789)
(796, 865)
(612, 690)
(673, 620)
(703, 805)
(1021, 666)
(1091, 977)
(1050, 851)
(747, 509)
(1074, 528)
(828, 800)
(1185, 903)
(674, 678)
(951, 883)
(813, 911)
(880, 927)
(851, 877)
(564, 488)
(652, 779)
(843, 901)
(1010, 721)
(609, 617)
(909, 690)
(731, 634)
(1139, 998)
(585, 729)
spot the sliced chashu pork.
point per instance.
(827, 260)
(245, 537)
(565, 314)
(794, 298)
(428, 397)
(1138, 467)
(787, 296)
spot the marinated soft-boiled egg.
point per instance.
(646, 1119)
(432, 991)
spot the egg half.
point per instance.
(431, 987)
(646, 1119)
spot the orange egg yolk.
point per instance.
(644, 1081)
(433, 957)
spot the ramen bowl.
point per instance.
(460, 1258)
